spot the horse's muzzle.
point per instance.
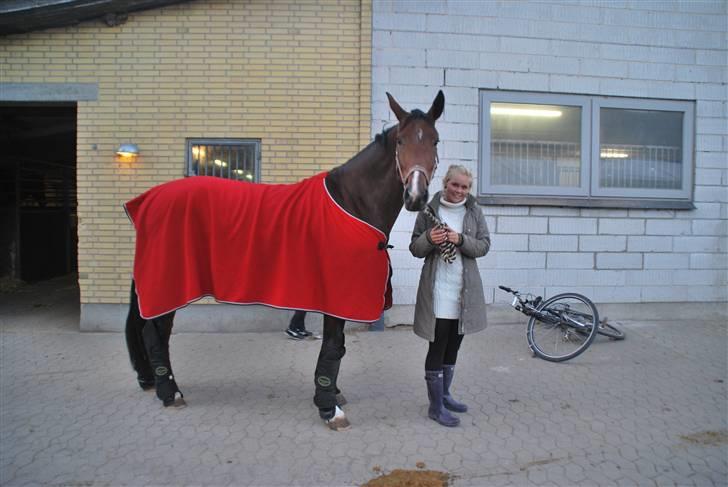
(415, 191)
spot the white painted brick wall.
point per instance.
(621, 226)
(527, 225)
(667, 261)
(573, 226)
(570, 260)
(648, 244)
(613, 243)
(553, 243)
(668, 227)
(708, 261)
(619, 261)
(656, 49)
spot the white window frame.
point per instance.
(542, 99)
(687, 144)
(588, 194)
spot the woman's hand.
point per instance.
(438, 235)
(453, 236)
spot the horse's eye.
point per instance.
(399, 141)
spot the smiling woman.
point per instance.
(457, 183)
(450, 234)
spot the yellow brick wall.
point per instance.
(294, 74)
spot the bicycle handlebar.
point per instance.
(507, 289)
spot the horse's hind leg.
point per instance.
(156, 335)
(135, 343)
(327, 371)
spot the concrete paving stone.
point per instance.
(537, 476)
(716, 459)
(617, 415)
(574, 473)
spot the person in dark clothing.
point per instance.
(297, 326)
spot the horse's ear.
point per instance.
(437, 106)
(399, 112)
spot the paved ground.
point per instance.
(651, 410)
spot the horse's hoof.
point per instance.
(338, 422)
(176, 401)
(341, 400)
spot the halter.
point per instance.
(416, 167)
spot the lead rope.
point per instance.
(447, 248)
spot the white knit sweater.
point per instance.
(449, 277)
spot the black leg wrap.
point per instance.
(325, 397)
(327, 414)
(135, 344)
(327, 368)
(327, 371)
(156, 338)
(166, 388)
(145, 382)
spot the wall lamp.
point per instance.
(127, 150)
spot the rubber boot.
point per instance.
(436, 411)
(447, 373)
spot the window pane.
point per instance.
(535, 145)
(225, 160)
(640, 149)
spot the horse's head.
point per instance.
(416, 149)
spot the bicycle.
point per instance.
(563, 326)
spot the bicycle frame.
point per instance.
(556, 317)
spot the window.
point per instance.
(226, 158)
(571, 150)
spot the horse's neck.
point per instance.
(368, 187)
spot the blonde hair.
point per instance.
(457, 168)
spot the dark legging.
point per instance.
(444, 350)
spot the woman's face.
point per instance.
(457, 188)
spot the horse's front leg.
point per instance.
(327, 371)
(156, 335)
(135, 344)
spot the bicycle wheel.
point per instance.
(610, 331)
(562, 327)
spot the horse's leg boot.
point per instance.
(158, 351)
(327, 371)
(135, 344)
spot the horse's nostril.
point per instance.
(414, 204)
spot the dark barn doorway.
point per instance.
(38, 231)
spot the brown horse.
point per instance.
(392, 171)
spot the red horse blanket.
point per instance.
(282, 245)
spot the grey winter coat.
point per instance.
(475, 243)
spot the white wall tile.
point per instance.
(619, 260)
(570, 260)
